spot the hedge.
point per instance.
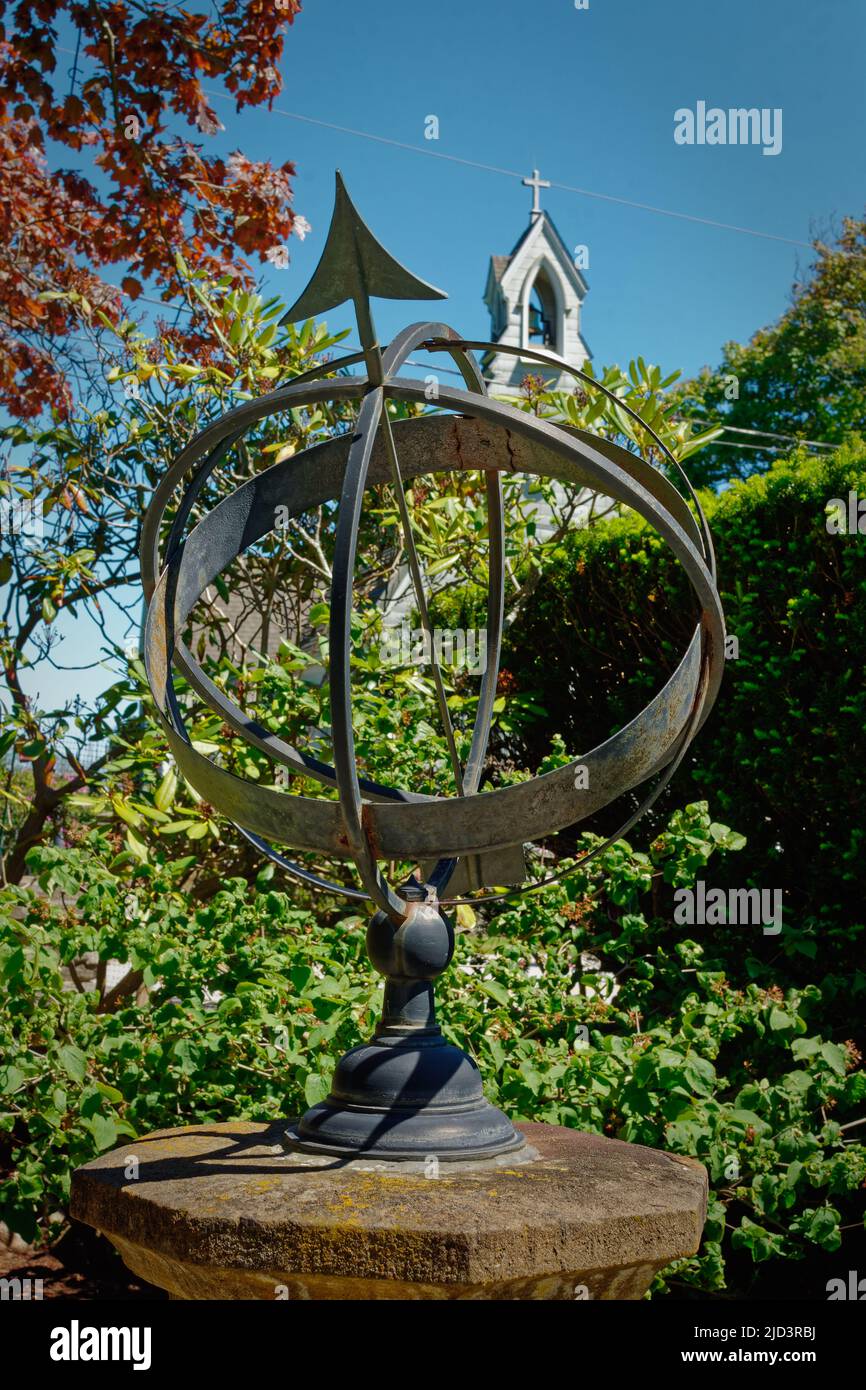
(783, 753)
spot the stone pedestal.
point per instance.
(228, 1211)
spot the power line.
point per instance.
(756, 448)
(783, 438)
(767, 434)
(513, 174)
(568, 188)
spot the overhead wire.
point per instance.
(514, 173)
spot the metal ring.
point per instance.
(604, 471)
(491, 800)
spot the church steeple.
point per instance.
(534, 296)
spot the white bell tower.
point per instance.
(534, 297)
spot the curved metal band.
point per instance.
(528, 810)
(249, 729)
(550, 359)
(348, 522)
(394, 357)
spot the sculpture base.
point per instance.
(226, 1211)
(406, 1096)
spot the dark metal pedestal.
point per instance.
(408, 1093)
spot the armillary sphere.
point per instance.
(408, 1094)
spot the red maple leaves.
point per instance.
(136, 78)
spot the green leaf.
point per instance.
(780, 1021)
(821, 1226)
(10, 1079)
(103, 1129)
(747, 1119)
(110, 1092)
(125, 812)
(11, 964)
(761, 1243)
(836, 1057)
(166, 791)
(137, 845)
(700, 1074)
(73, 1061)
(494, 990)
(187, 1054)
(316, 1088)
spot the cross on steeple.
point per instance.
(535, 183)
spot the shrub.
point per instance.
(585, 1005)
(784, 749)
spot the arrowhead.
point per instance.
(355, 264)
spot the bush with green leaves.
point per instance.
(149, 812)
(783, 752)
(584, 1005)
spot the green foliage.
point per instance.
(783, 752)
(583, 1005)
(87, 476)
(247, 1008)
(804, 376)
(150, 815)
(586, 1005)
(643, 389)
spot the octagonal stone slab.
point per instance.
(227, 1211)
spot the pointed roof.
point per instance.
(499, 264)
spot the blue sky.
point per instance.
(589, 97)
